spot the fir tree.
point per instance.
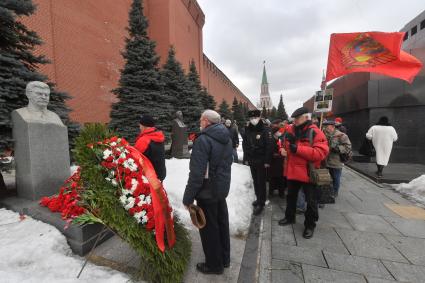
(208, 101)
(237, 112)
(224, 110)
(243, 112)
(190, 102)
(140, 90)
(264, 112)
(281, 113)
(18, 66)
(245, 109)
(273, 113)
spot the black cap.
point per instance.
(328, 122)
(254, 113)
(300, 111)
(147, 121)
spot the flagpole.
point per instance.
(323, 99)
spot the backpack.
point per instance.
(345, 157)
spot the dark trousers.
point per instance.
(2, 183)
(311, 195)
(380, 168)
(258, 173)
(215, 235)
(277, 183)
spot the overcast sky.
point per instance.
(292, 37)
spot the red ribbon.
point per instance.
(163, 219)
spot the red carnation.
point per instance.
(44, 201)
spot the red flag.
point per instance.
(376, 52)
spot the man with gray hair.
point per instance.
(209, 184)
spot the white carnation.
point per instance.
(107, 153)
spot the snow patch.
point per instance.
(415, 189)
(32, 251)
(239, 201)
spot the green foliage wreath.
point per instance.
(100, 198)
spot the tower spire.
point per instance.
(265, 101)
(264, 80)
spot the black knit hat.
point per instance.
(300, 111)
(147, 121)
(328, 122)
(254, 113)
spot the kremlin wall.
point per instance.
(83, 40)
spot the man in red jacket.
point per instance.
(299, 152)
(150, 143)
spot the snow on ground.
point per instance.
(415, 189)
(239, 201)
(33, 252)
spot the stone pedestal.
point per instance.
(41, 155)
(179, 145)
(81, 239)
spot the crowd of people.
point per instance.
(298, 157)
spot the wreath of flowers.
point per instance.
(124, 172)
(138, 189)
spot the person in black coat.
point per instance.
(209, 183)
(234, 135)
(277, 181)
(257, 148)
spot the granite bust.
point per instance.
(41, 145)
(179, 143)
(38, 94)
(179, 119)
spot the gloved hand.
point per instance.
(293, 147)
(290, 138)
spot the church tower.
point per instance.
(265, 100)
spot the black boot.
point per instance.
(258, 209)
(285, 222)
(308, 233)
(203, 268)
(380, 169)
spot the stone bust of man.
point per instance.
(179, 119)
(38, 94)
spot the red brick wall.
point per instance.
(83, 39)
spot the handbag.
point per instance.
(318, 176)
(367, 148)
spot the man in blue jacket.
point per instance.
(209, 183)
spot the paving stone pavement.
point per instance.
(358, 239)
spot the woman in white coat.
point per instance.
(383, 135)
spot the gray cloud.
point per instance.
(293, 38)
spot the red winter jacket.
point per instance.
(151, 144)
(296, 167)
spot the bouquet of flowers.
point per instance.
(67, 201)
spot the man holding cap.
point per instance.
(257, 148)
(299, 152)
(150, 143)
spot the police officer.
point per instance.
(257, 147)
